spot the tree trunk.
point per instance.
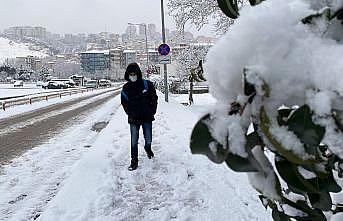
(190, 93)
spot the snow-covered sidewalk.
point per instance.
(175, 185)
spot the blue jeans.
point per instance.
(147, 131)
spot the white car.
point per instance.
(18, 83)
(91, 84)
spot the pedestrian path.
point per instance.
(175, 185)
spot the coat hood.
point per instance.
(133, 68)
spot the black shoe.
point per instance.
(150, 154)
(133, 165)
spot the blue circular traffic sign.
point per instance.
(164, 49)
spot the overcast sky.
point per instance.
(82, 16)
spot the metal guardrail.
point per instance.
(32, 94)
(4, 104)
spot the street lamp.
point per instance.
(146, 41)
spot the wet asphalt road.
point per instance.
(23, 132)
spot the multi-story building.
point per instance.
(125, 38)
(114, 37)
(28, 63)
(131, 31)
(153, 57)
(142, 29)
(117, 58)
(92, 61)
(25, 31)
(151, 31)
(129, 57)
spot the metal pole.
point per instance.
(146, 47)
(165, 65)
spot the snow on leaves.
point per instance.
(308, 133)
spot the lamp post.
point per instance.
(165, 65)
(146, 42)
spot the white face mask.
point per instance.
(133, 78)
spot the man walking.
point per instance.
(139, 101)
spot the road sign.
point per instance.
(164, 59)
(164, 49)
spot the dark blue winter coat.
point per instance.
(139, 100)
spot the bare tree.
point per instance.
(199, 13)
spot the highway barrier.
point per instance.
(4, 104)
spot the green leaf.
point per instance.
(310, 134)
(328, 184)
(319, 173)
(235, 108)
(338, 209)
(202, 140)
(312, 214)
(289, 155)
(321, 200)
(279, 216)
(229, 8)
(295, 181)
(326, 14)
(266, 202)
(283, 114)
(248, 88)
(239, 164)
(338, 14)
(337, 116)
(255, 2)
(253, 139)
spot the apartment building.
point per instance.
(95, 60)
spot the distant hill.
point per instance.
(10, 49)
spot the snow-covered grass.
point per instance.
(8, 90)
(202, 102)
(96, 184)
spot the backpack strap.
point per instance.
(123, 94)
(145, 85)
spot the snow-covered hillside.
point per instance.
(10, 49)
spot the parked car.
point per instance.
(67, 82)
(91, 84)
(18, 83)
(56, 85)
(105, 83)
